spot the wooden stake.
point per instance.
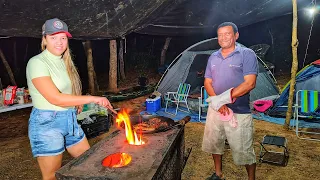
(121, 61)
(164, 51)
(6, 64)
(113, 66)
(294, 67)
(91, 73)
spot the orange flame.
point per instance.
(117, 160)
(131, 134)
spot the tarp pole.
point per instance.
(294, 67)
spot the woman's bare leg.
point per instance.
(78, 149)
(49, 165)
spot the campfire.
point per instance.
(122, 159)
(131, 134)
(126, 153)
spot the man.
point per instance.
(230, 76)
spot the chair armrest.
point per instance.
(173, 94)
(183, 95)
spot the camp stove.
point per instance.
(161, 156)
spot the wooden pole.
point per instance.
(96, 85)
(113, 66)
(121, 61)
(88, 50)
(6, 64)
(294, 67)
(164, 51)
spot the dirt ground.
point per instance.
(304, 162)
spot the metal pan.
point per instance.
(171, 123)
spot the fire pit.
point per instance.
(160, 157)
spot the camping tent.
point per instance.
(307, 78)
(189, 67)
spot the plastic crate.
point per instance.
(99, 124)
(153, 105)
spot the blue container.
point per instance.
(153, 105)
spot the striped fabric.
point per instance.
(183, 89)
(309, 100)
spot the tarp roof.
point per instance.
(107, 19)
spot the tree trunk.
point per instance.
(6, 64)
(164, 51)
(113, 66)
(152, 47)
(91, 72)
(294, 67)
(121, 61)
(96, 85)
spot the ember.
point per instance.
(117, 160)
(131, 134)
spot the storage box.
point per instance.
(95, 121)
(99, 124)
(153, 105)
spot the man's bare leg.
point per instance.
(217, 158)
(251, 170)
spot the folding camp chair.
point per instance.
(202, 102)
(181, 96)
(307, 102)
(274, 150)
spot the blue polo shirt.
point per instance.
(230, 71)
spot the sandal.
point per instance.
(214, 176)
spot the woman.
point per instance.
(55, 88)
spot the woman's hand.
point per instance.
(102, 101)
(79, 109)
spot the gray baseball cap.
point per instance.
(54, 26)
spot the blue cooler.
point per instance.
(153, 105)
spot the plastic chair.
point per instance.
(307, 103)
(181, 96)
(202, 102)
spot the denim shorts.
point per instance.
(50, 132)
